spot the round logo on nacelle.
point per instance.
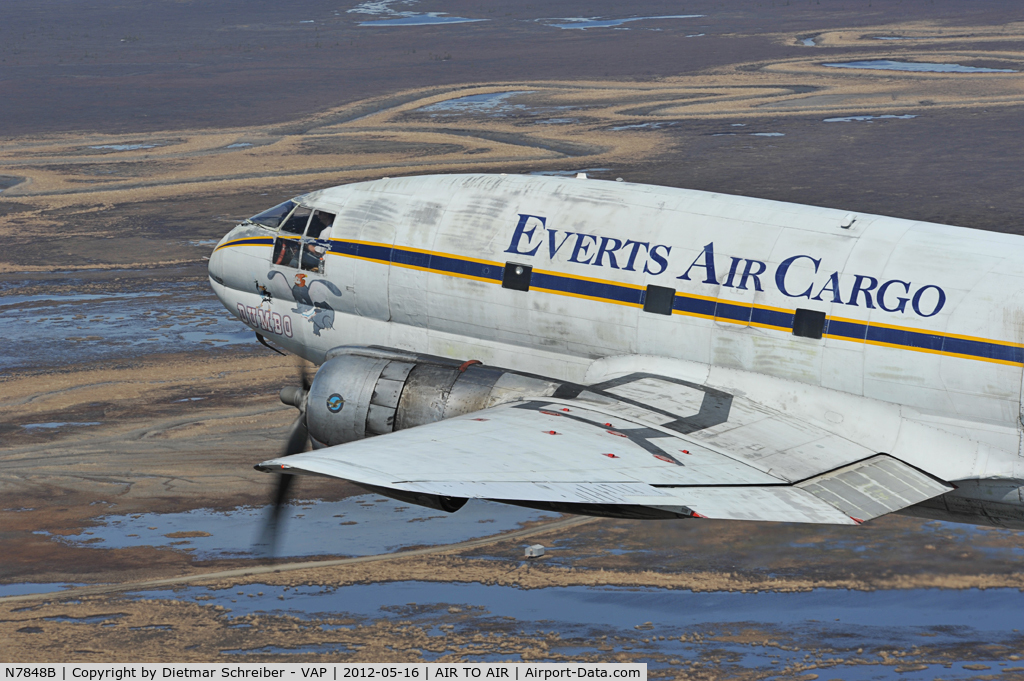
(335, 402)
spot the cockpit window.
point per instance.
(321, 224)
(287, 252)
(292, 249)
(272, 218)
(296, 222)
(317, 241)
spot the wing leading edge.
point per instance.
(606, 454)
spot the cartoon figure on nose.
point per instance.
(315, 299)
(277, 286)
(300, 292)
(320, 292)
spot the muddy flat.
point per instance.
(133, 406)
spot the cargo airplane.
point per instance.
(624, 350)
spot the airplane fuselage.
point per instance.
(559, 277)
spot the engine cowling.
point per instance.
(362, 392)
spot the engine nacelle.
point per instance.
(362, 392)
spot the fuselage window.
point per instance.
(317, 242)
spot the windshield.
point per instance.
(296, 222)
(272, 218)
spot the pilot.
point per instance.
(320, 228)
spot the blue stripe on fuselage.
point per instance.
(684, 304)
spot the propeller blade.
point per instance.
(302, 375)
(268, 540)
(284, 482)
(297, 437)
(296, 444)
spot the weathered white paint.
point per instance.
(955, 416)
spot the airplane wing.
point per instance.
(643, 442)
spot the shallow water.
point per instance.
(377, 7)
(58, 424)
(124, 147)
(93, 619)
(494, 105)
(991, 609)
(41, 299)
(569, 173)
(889, 65)
(749, 134)
(68, 327)
(647, 126)
(31, 588)
(356, 526)
(807, 41)
(654, 624)
(8, 181)
(848, 119)
(595, 22)
(298, 650)
(419, 19)
(490, 102)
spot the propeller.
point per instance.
(298, 437)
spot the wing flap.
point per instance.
(782, 504)
(873, 487)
